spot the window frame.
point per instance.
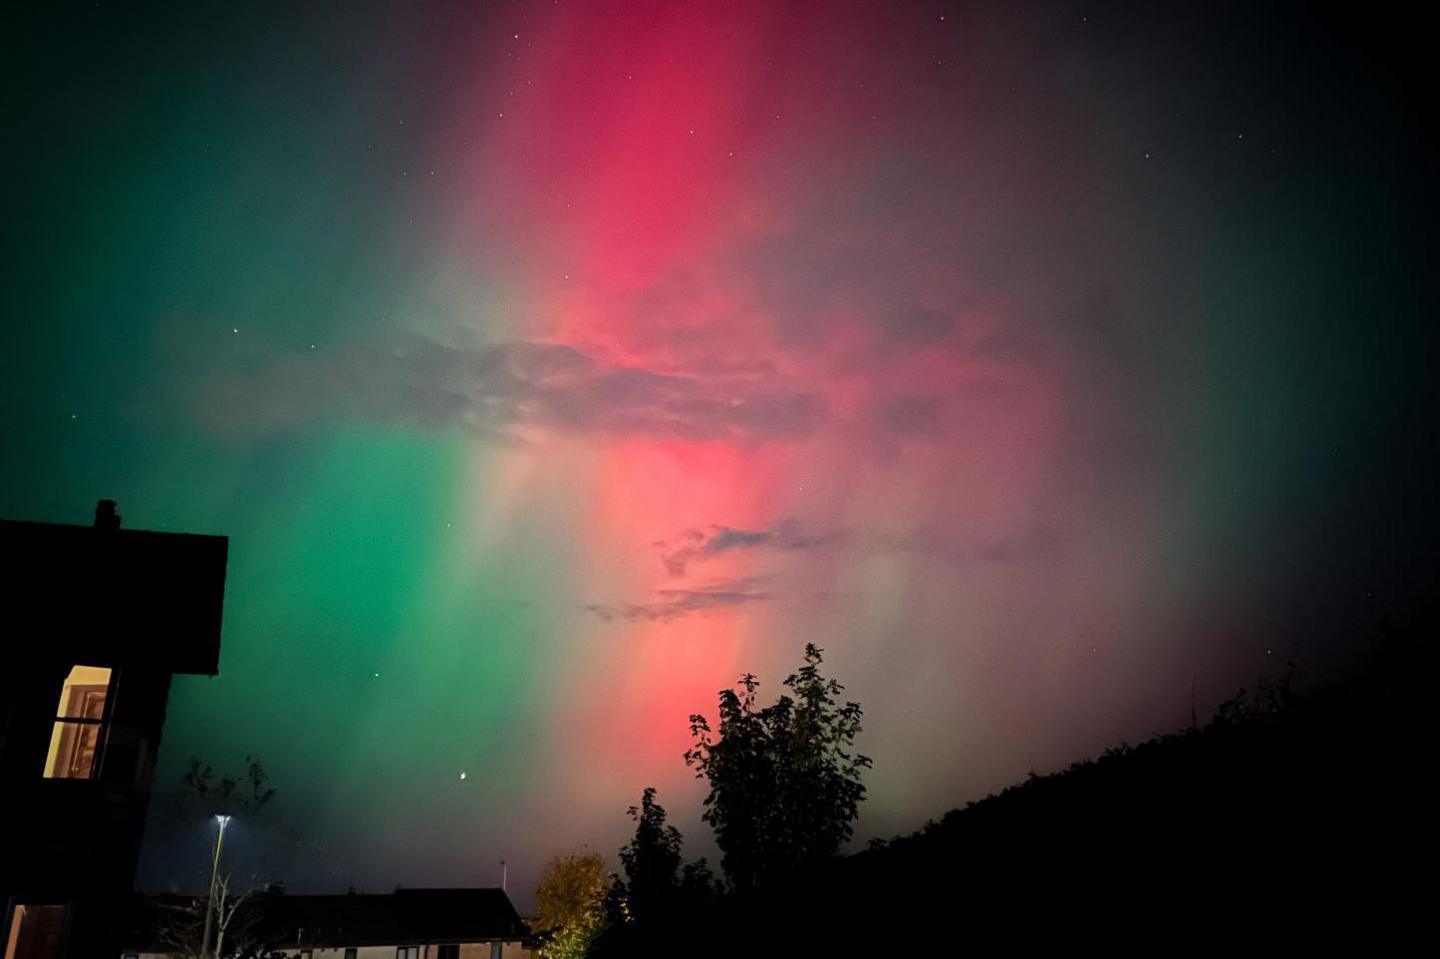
(102, 724)
(7, 920)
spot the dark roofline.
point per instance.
(115, 597)
(404, 917)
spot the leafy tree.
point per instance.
(575, 940)
(572, 886)
(785, 782)
(203, 794)
(651, 861)
(237, 921)
(699, 889)
(228, 795)
(571, 904)
(659, 897)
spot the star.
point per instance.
(462, 776)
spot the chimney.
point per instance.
(105, 516)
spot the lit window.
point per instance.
(35, 931)
(407, 952)
(79, 734)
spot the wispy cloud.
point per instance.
(500, 390)
(692, 546)
(671, 604)
(698, 545)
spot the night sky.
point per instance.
(549, 364)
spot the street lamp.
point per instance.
(205, 949)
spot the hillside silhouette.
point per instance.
(1289, 817)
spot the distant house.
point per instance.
(95, 620)
(406, 924)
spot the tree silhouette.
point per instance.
(651, 861)
(785, 782)
(230, 795)
(205, 796)
(238, 925)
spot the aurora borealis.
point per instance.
(550, 364)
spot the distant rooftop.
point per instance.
(406, 916)
(110, 596)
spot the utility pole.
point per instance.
(504, 874)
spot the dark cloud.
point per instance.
(499, 390)
(1042, 542)
(701, 545)
(672, 604)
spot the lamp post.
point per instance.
(205, 949)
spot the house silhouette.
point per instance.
(408, 923)
(95, 621)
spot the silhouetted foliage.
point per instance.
(229, 795)
(1287, 815)
(784, 779)
(651, 860)
(699, 889)
(657, 883)
(234, 917)
(660, 898)
(239, 924)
